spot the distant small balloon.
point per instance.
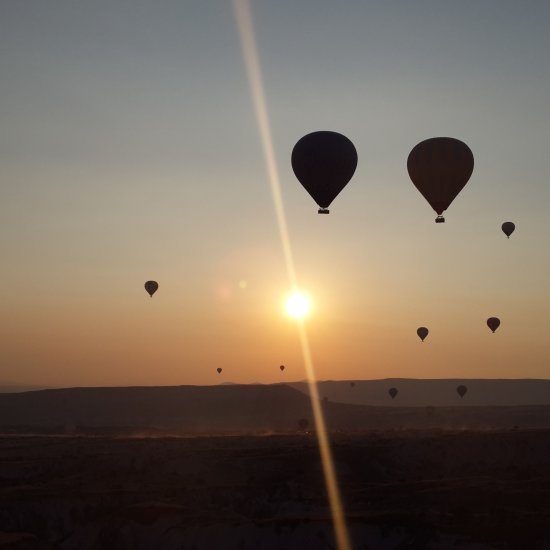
(151, 287)
(493, 323)
(508, 228)
(393, 392)
(461, 390)
(352, 384)
(282, 367)
(219, 369)
(422, 332)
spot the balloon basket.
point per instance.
(323, 211)
(440, 219)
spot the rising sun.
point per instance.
(298, 305)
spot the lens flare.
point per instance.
(252, 64)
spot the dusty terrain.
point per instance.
(401, 489)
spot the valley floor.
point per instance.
(401, 489)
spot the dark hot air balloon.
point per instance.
(439, 168)
(493, 323)
(352, 384)
(219, 369)
(151, 287)
(508, 228)
(282, 367)
(303, 424)
(461, 390)
(324, 162)
(422, 332)
(393, 392)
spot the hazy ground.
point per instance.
(241, 409)
(401, 489)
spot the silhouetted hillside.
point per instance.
(232, 409)
(15, 388)
(224, 408)
(434, 392)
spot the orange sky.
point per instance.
(130, 152)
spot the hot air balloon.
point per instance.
(422, 332)
(393, 392)
(219, 369)
(508, 228)
(324, 162)
(151, 287)
(461, 390)
(493, 323)
(352, 384)
(439, 168)
(303, 423)
(282, 367)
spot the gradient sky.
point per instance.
(129, 150)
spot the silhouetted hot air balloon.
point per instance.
(439, 168)
(352, 384)
(493, 323)
(324, 162)
(508, 228)
(151, 287)
(461, 390)
(303, 424)
(393, 392)
(219, 369)
(282, 367)
(422, 332)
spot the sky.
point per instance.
(130, 151)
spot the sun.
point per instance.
(298, 305)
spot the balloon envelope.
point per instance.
(151, 287)
(493, 323)
(439, 168)
(282, 367)
(393, 392)
(324, 162)
(219, 370)
(461, 390)
(508, 228)
(352, 384)
(422, 332)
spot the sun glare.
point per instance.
(298, 305)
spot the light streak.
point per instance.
(252, 63)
